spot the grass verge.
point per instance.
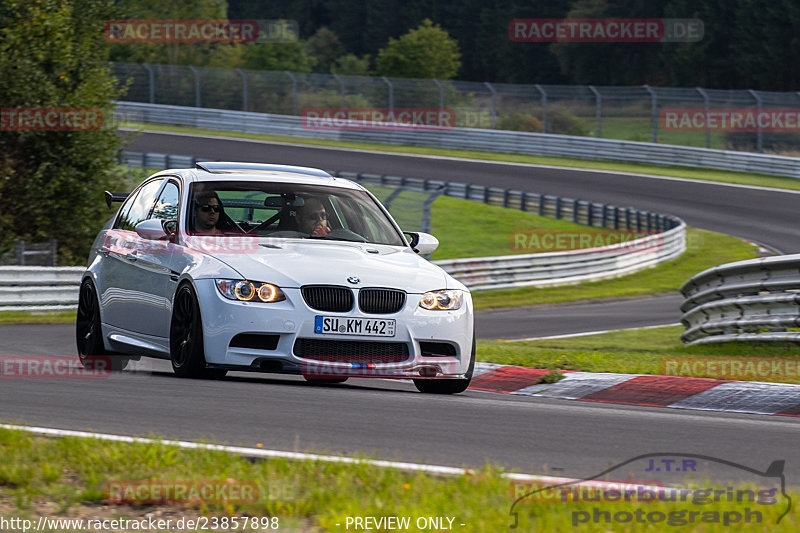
(648, 351)
(742, 178)
(54, 317)
(67, 478)
(705, 249)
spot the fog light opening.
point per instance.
(429, 371)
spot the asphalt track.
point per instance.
(391, 420)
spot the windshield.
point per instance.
(288, 210)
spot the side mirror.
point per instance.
(422, 243)
(153, 229)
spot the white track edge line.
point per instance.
(260, 452)
(586, 333)
(486, 161)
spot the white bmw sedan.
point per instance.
(271, 268)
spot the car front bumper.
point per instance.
(282, 324)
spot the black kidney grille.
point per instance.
(381, 301)
(328, 298)
(351, 351)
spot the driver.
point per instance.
(207, 210)
(312, 218)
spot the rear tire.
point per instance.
(186, 348)
(448, 386)
(89, 333)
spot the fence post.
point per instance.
(544, 107)
(706, 106)
(494, 104)
(391, 93)
(341, 91)
(294, 91)
(760, 139)
(243, 74)
(653, 112)
(197, 102)
(441, 93)
(599, 111)
(152, 82)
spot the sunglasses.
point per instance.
(206, 208)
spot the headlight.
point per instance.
(445, 300)
(249, 291)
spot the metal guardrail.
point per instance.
(468, 138)
(752, 300)
(31, 288)
(46, 289)
(634, 112)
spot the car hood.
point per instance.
(289, 263)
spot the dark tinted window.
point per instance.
(139, 207)
(166, 207)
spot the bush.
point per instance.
(565, 123)
(519, 122)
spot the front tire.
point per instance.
(89, 333)
(187, 351)
(448, 386)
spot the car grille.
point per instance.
(381, 301)
(328, 298)
(351, 351)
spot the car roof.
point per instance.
(261, 172)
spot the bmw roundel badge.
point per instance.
(353, 280)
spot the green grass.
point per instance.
(66, 477)
(639, 351)
(54, 317)
(705, 249)
(743, 178)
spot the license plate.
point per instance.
(337, 325)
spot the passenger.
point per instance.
(312, 218)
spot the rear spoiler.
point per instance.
(112, 197)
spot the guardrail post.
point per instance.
(466, 191)
(638, 221)
(575, 207)
(485, 194)
(542, 200)
(616, 217)
(197, 102)
(589, 213)
(391, 93)
(523, 201)
(505, 197)
(649, 221)
(653, 112)
(341, 91)
(494, 104)
(558, 207)
(706, 106)
(544, 107)
(628, 219)
(760, 133)
(603, 215)
(294, 91)
(21, 253)
(152, 82)
(243, 74)
(599, 110)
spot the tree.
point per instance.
(425, 52)
(51, 55)
(351, 65)
(325, 47)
